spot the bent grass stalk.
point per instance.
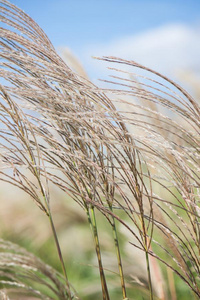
(48, 213)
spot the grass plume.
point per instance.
(129, 152)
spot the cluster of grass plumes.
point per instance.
(130, 152)
(25, 275)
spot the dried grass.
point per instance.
(139, 158)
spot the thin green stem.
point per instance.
(146, 247)
(48, 212)
(149, 275)
(121, 273)
(93, 225)
(60, 256)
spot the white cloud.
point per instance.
(167, 49)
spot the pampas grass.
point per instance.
(128, 155)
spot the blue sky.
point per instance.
(80, 22)
(100, 27)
